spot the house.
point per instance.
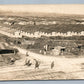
(82, 23)
(10, 18)
(22, 23)
(1, 18)
(28, 42)
(58, 50)
(8, 23)
(17, 34)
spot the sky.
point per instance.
(41, 1)
(64, 9)
(57, 8)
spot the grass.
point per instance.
(64, 23)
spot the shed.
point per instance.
(58, 50)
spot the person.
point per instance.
(27, 54)
(12, 60)
(28, 62)
(52, 64)
(36, 64)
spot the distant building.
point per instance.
(25, 23)
(8, 23)
(28, 42)
(82, 23)
(10, 18)
(1, 18)
(17, 34)
(58, 50)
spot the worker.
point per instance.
(12, 60)
(36, 64)
(28, 63)
(52, 64)
(27, 54)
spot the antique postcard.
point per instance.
(42, 42)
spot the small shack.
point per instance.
(58, 50)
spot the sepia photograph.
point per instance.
(42, 42)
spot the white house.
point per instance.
(8, 23)
(18, 34)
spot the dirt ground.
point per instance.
(20, 72)
(64, 68)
